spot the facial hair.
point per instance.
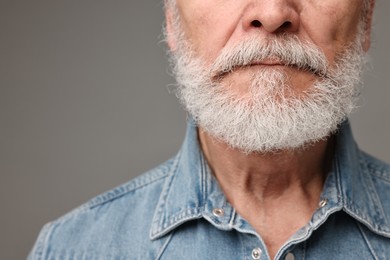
(271, 116)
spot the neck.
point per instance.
(268, 175)
(276, 193)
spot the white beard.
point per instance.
(270, 117)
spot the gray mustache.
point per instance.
(287, 51)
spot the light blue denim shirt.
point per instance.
(178, 211)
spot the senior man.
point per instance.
(269, 168)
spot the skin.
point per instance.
(279, 197)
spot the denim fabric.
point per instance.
(178, 211)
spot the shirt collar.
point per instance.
(191, 191)
(359, 196)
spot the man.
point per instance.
(269, 168)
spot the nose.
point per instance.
(272, 16)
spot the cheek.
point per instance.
(208, 25)
(335, 26)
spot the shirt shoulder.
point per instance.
(110, 219)
(379, 172)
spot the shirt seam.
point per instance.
(149, 178)
(93, 204)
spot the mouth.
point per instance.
(222, 73)
(269, 63)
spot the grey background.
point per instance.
(85, 105)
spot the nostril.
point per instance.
(256, 23)
(286, 25)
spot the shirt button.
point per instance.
(218, 212)
(323, 203)
(290, 256)
(256, 253)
